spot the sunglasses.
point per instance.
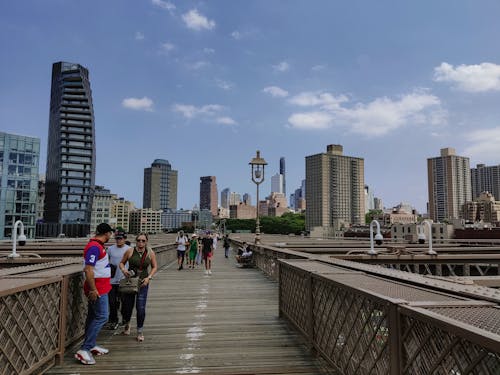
(140, 240)
(119, 238)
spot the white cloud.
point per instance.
(164, 5)
(197, 65)
(224, 85)
(281, 67)
(139, 36)
(196, 21)
(167, 47)
(324, 100)
(275, 92)
(191, 111)
(470, 78)
(484, 145)
(208, 51)
(376, 118)
(142, 104)
(225, 120)
(236, 35)
(317, 68)
(311, 120)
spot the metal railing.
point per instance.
(43, 310)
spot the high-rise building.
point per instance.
(18, 183)
(234, 198)
(101, 206)
(449, 185)
(247, 199)
(282, 172)
(208, 194)
(369, 199)
(224, 198)
(160, 186)
(145, 220)
(120, 213)
(70, 172)
(485, 179)
(334, 190)
(277, 183)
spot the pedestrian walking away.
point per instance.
(115, 254)
(182, 244)
(96, 287)
(226, 245)
(142, 263)
(207, 252)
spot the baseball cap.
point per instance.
(120, 234)
(103, 228)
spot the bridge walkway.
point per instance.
(224, 323)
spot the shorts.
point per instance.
(207, 255)
(180, 253)
(192, 254)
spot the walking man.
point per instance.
(182, 244)
(96, 287)
(226, 245)
(115, 254)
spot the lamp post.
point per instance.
(258, 164)
(421, 236)
(378, 237)
(22, 238)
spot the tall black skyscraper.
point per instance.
(282, 172)
(70, 174)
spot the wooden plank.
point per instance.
(224, 323)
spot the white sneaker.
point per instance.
(206, 272)
(99, 350)
(85, 357)
(209, 272)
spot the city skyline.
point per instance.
(204, 85)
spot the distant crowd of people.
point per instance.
(108, 271)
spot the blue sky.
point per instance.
(204, 84)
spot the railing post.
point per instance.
(63, 311)
(310, 313)
(394, 339)
(280, 291)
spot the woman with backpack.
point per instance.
(142, 263)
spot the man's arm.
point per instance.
(90, 280)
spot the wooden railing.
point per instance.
(43, 310)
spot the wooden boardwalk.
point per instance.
(226, 323)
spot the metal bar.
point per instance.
(394, 340)
(63, 309)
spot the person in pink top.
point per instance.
(96, 287)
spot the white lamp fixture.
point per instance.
(378, 238)
(21, 239)
(421, 236)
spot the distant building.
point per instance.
(485, 178)
(70, 171)
(334, 190)
(484, 208)
(205, 219)
(283, 173)
(401, 214)
(234, 198)
(208, 194)
(409, 232)
(145, 220)
(277, 205)
(41, 198)
(277, 183)
(242, 211)
(120, 213)
(378, 204)
(369, 199)
(449, 185)
(101, 206)
(160, 186)
(19, 158)
(223, 213)
(224, 198)
(176, 219)
(247, 199)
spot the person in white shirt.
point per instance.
(182, 244)
(115, 254)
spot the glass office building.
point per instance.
(19, 158)
(70, 174)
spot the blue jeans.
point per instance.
(226, 251)
(97, 316)
(140, 300)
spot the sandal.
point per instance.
(126, 330)
(140, 337)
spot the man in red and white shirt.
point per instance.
(96, 287)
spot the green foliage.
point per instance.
(286, 224)
(371, 214)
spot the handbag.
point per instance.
(130, 285)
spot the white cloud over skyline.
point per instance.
(470, 78)
(224, 85)
(275, 91)
(225, 120)
(138, 104)
(196, 21)
(190, 111)
(376, 118)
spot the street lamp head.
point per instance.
(258, 164)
